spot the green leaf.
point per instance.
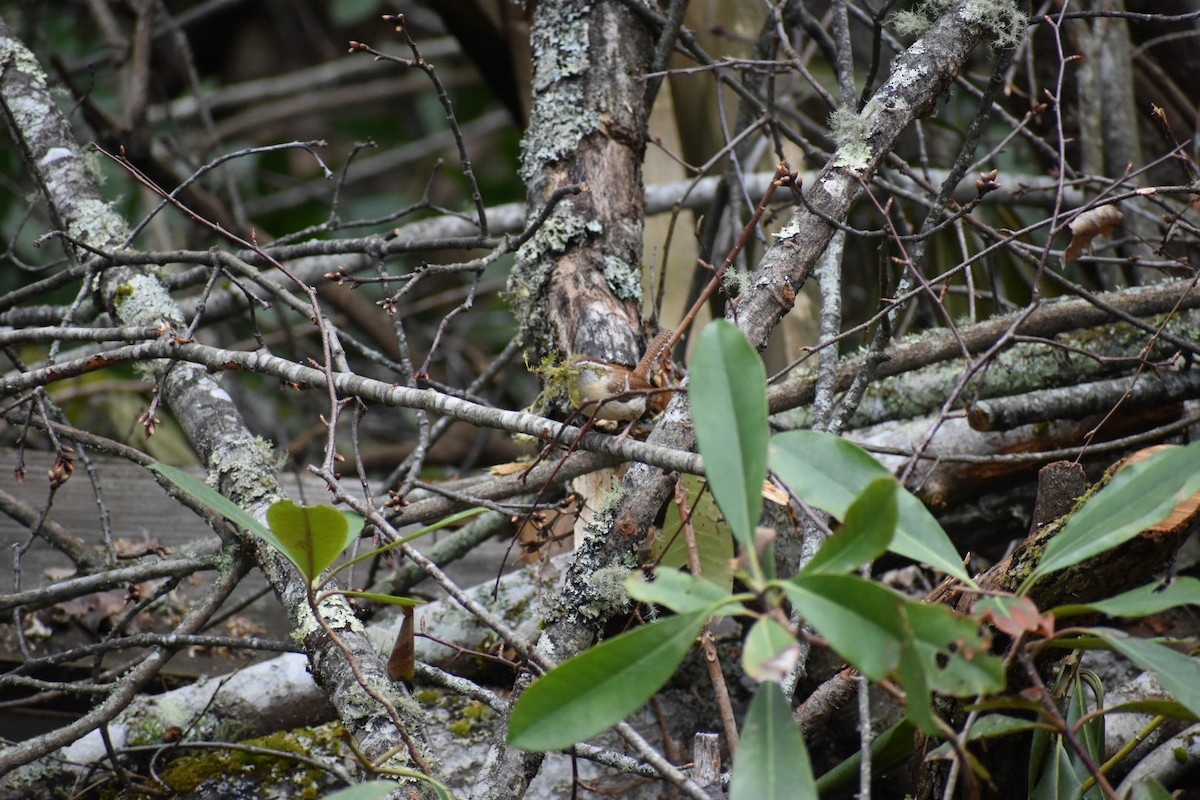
(864, 535)
(678, 591)
(714, 540)
(931, 648)
(1175, 672)
(860, 619)
(1143, 601)
(212, 499)
(371, 790)
(727, 391)
(312, 537)
(386, 599)
(1058, 781)
(955, 651)
(1150, 789)
(1139, 496)
(1158, 708)
(890, 749)
(770, 651)
(771, 762)
(830, 473)
(993, 726)
(597, 689)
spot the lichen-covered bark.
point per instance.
(577, 284)
(241, 464)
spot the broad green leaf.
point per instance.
(377, 790)
(1175, 672)
(1150, 789)
(597, 689)
(931, 648)
(312, 537)
(770, 651)
(771, 762)
(860, 619)
(955, 649)
(1140, 496)
(1058, 781)
(891, 748)
(727, 391)
(830, 473)
(213, 499)
(371, 790)
(678, 591)
(864, 535)
(1153, 598)
(1158, 708)
(714, 540)
(995, 726)
(386, 599)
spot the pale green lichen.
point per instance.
(1000, 17)
(623, 278)
(847, 126)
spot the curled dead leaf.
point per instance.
(1087, 226)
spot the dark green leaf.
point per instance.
(597, 689)
(1140, 496)
(727, 391)
(771, 762)
(371, 790)
(860, 619)
(714, 540)
(864, 535)
(830, 473)
(1143, 601)
(1175, 672)
(891, 748)
(678, 591)
(1058, 781)
(312, 537)
(1150, 789)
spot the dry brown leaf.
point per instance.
(1087, 226)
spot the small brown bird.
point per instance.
(613, 391)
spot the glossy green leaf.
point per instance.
(678, 591)
(1174, 671)
(727, 391)
(860, 619)
(954, 650)
(890, 749)
(995, 726)
(883, 634)
(769, 652)
(377, 790)
(1143, 601)
(385, 599)
(1158, 708)
(1140, 496)
(1149, 789)
(212, 499)
(714, 540)
(597, 689)
(371, 790)
(771, 762)
(830, 473)
(1058, 781)
(864, 534)
(312, 537)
